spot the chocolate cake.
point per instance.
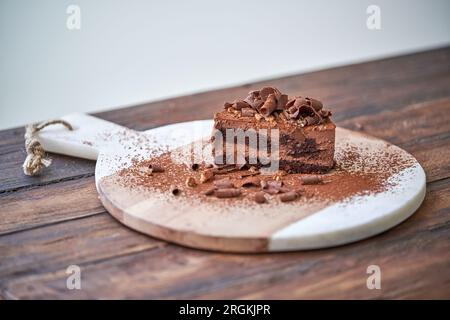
(298, 130)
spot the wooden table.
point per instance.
(50, 222)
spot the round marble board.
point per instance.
(245, 227)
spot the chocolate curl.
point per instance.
(312, 120)
(290, 103)
(289, 196)
(227, 193)
(316, 104)
(250, 182)
(254, 94)
(209, 191)
(301, 101)
(239, 104)
(227, 105)
(325, 113)
(311, 180)
(266, 91)
(282, 101)
(306, 110)
(254, 99)
(293, 112)
(259, 197)
(269, 106)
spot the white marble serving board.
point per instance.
(240, 228)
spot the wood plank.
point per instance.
(30, 208)
(351, 91)
(80, 241)
(34, 262)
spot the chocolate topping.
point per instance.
(270, 101)
(269, 106)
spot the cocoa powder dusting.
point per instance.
(357, 172)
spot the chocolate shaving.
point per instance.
(325, 113)
(290, 103)
(289, 196)
(227, 105)
(311, 120)
(269, 106)
(306, 110)
(227, 193)
(195, 166)
(240, 104)
(282, 101)
(259, 197)
(265, 92)
(311, 180)
(209, 191)
(316, 104)
(293, 112)
(250, 182)
(299, 101)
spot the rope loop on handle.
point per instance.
(36, 159)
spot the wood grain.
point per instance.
(31, 208)
(404, 100)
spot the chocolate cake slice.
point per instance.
(298, 128)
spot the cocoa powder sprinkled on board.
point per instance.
(357, 172)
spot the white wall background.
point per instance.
(133, 51)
